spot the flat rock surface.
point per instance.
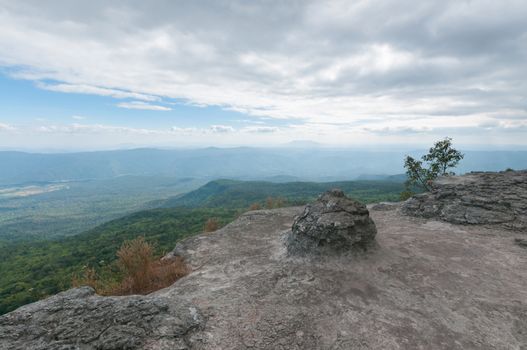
(427, 285)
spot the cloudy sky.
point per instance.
(106, 74)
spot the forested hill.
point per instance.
(240, 194)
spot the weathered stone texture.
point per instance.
(80, 319)
(333, 223)
(475, 198)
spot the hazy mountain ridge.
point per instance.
(316, 164)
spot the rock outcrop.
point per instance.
(333, 223)
(475, 198)
(80, 319)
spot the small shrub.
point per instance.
(140, 271)
(255, 206)
(135, 261)
(211, 225)
(161, 274)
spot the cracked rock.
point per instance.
(333, 223)
(81, 319)
(475, 198)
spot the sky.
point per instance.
(96, 74)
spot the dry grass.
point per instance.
(211, 225)
(88, 278)
(141, 272)
(255, 206)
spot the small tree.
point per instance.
(440, 158)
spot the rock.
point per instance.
(522, 242)
(333, 223)
(475, 198)
(81, 319)
(384, 206)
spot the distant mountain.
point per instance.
(303, 144)
(302, 163)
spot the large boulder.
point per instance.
(475, 198)
(333, 223)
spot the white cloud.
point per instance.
(336, 67)
(95, 129)
(78, 117)
(221, 129)
(94, 90)
(261, 129)
(142, 105)
(6, 127)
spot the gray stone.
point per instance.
(81, 319)
(384, 206)
(475, 198)
(522, 242)
(333, 223)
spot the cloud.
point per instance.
(224, 129)
(186, 131)
(78, 117)
(392, 66)
(221, 129)
(6, 127)
(95, 129)
(142, 105)
(94, 90)
(261, 129)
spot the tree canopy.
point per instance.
(440, 158)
